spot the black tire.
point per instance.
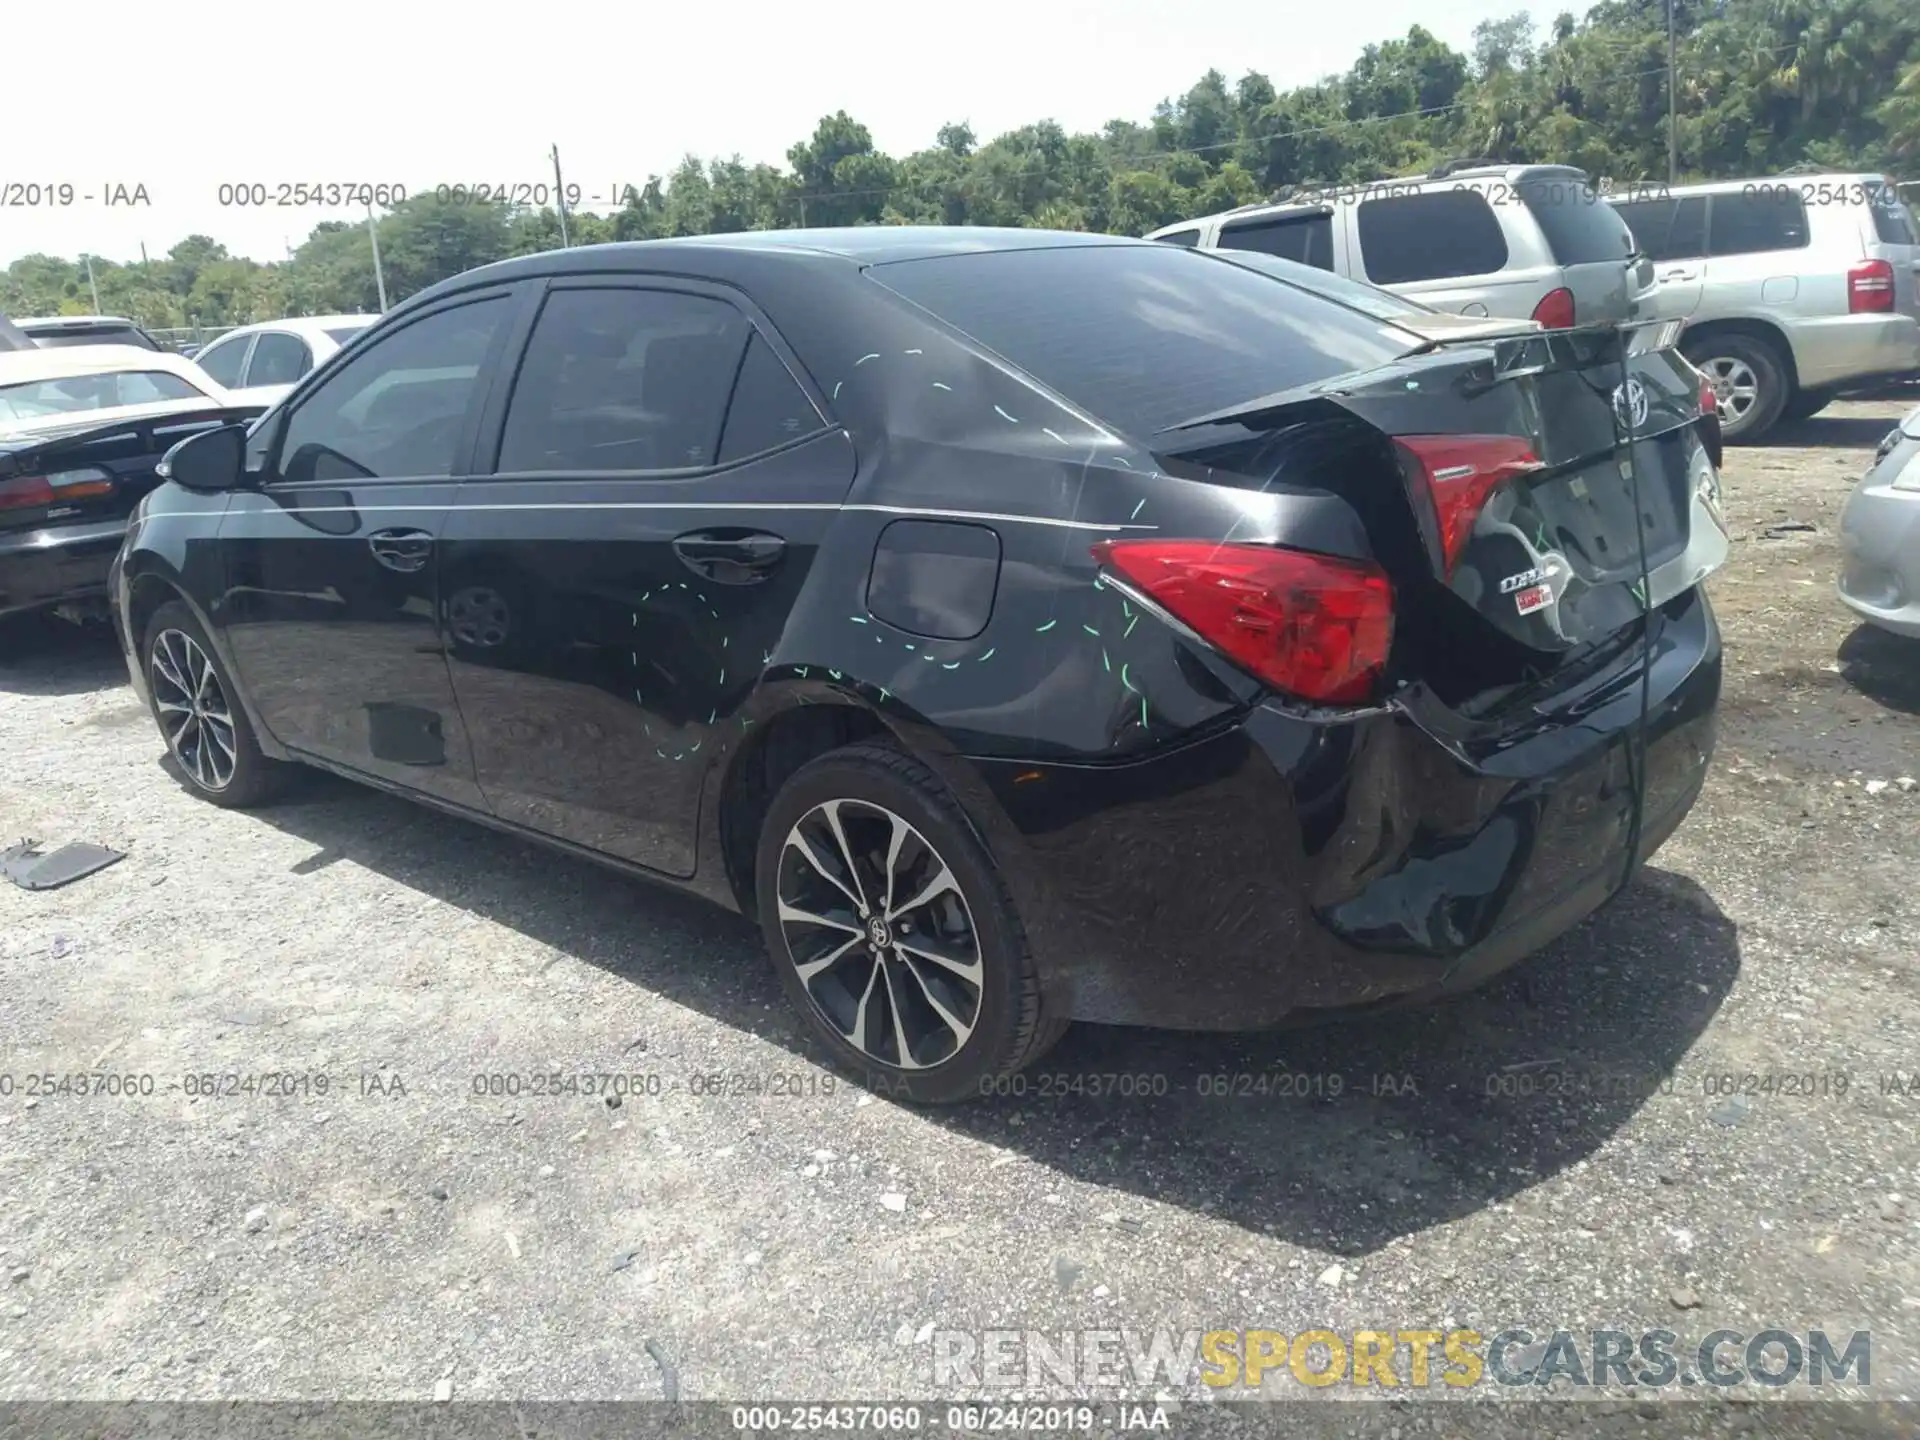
(1009, 1028)
(251, 778)
(1721, 357)
(1805, 404)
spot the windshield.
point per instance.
(76, 394)
(1355, 294)
(1144, 335)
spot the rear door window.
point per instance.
(1307, 239)
(1181, 237)
(1434, 235)
(223, 360)
(1753, 222)
(1581, 228)
(623, 379)
(1144, 336)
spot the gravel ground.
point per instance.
(402, 1238)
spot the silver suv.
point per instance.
(1792, 288)
(1532, 242)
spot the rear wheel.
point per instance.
(205, 727)
(1749, 383)
(1805, 404)
(891, 931)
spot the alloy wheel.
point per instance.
(879, 934)
(1736, 389)
(195, 715)
(479, 617)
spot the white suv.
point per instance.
(1524, 242)
(1791, 288)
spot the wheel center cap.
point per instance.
(878, 933)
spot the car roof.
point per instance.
(1789, 182)
(298, 324)
(725, 254)
(20, 366)
(1312, 200)
(74, 322)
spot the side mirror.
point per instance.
(211, 460)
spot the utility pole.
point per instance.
(379, 275)
(91, 285)
(1673, 134)
(560, 197)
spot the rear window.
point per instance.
(1180, 237)
(1765, 218)
(1433, 235)
(1307, 239)
(1144, 336)
(341, 336)
(1580, 227)
(91, 335)
(1356, 294)
(77, 394)
(1892, 220)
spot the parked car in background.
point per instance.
(989, 612)
(260, 363)
(1371, 300)
(1880, 535)
(1792, 288)
(81, 430)
(55, 331)
(1527, 242)
(12, 337)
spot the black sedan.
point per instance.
(1025, 627)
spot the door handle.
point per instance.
(402, 550)
(730, 557)
(1682, 273)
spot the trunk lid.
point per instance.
(1517, 542)
(78, 469)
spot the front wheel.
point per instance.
(892, 932)
(205, 727)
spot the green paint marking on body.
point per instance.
(988, 656)
(1130, 624)
(1105, 661)
(1090, 630)
(1046, 627)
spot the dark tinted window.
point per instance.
(1435, 235)
(1580, 227)
(1307, 239)
(1668, 229)
(54, 339)
(222, 360)
(1144, 336)
(1181, 237)
(278, 359)
(623, 380)
(1892, 221)
(769, 408)
(1747, 224)
(342, 336)
(399, 406)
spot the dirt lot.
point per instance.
(400, 1234)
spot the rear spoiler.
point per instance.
(1531, 351)
(142, 434)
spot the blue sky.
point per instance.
(357, 91)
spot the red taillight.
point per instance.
(1555, 310)
(1709, 401)
(1461, 471)
(1870, 288)
(32, 492)
(1310, 625)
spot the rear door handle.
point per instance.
(402, 550)
(730, 557)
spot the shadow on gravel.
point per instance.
(1831, 432)
(43, 655)
(1341, 1137)
(1883, 667)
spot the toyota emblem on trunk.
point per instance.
(1630, 404)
